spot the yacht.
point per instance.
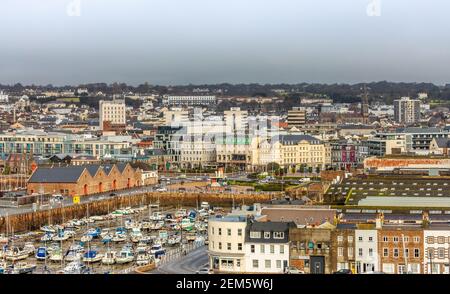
(125, 255)
(143, 258)
(75, 267)
(41, 253)
(23, 268)
(16, 254)
(92, 256)
(109, 258)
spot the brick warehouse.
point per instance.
(84, 180)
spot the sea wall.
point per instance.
(34, 220)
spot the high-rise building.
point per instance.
(406, 110)
(296, 117)
(112, 114)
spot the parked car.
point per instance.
(344, 271)
(204, 271)
(162, 189)
(58, 197)
(293, 270)
(112, 194)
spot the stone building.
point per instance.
(84, 179)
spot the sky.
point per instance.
(171, 42)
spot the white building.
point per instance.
(267, 247)
(226, 237)
(406, 110)
(3, 97)
(189, 100)
(113, 112)
(236, 120)
(366, 250)
(436, 249)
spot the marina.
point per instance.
(117, 242)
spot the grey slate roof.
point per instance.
(268, 227)
(57, 174)
(442, 142)
(69, 174)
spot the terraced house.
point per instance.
(84, 179)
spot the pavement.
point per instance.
(188, 264)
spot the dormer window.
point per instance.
(266, 235)
(255, 235)
(278, 235)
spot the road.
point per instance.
(188, 264)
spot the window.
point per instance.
(385, 239)
(277, 235)
(213, 230)
(238, 263)
(416, 239)
(252, 248)
(340, 239)
(261, 248)
(281, 249)
(220, 231)
(340, 251)
(268, 263)
(360, 252)
(228, 246)
(406, 239)
(350, 239)
(360, 238)
(441, 240)
(407, 252)
(278, 264)
(430, 240)
(266, 235)
(272, 249)
(385, 252)
(416, 252)
(350, 252)
(229, 232)
(255, 263)
(239, 246)
(370, 251)
(220, 245)
(370, 239)
(239, 232)
(395, 252)
(255, 235)
(395, 239)
(441, 253)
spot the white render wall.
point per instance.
(262, 257)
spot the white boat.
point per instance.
(156, 216)
(47, 237)
(23, 268)
(73, 255)
(96, 218)
(75, 267)
(48, 229)
(129, 225)
(62, 236)
(16, 254)
(157, 225)
(86, 238)
(135, 235)
(125, 256)
(109, 258)
(174, 239)
(143, 258)
(119, 237)
(56, 255)
(92, 256)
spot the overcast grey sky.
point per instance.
(213, 41)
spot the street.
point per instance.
(188, 264)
